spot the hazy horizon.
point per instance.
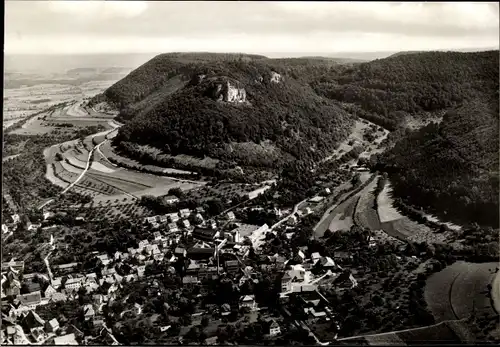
(268, 28)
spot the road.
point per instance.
(283, 220)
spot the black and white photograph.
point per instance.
(264, 173)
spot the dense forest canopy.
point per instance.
(451, 166)
(287, 117)
(386, 90)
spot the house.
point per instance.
(73, 284)
(327, 191)
(211, 341)
(230, 216)
(38, 334)
(198, 218)
(342, 256)
(173, 217)
(207, 273)
(172, 227)
(32, 286)
(88, 312)
(143, 244)
(52, 325)
(186, 224)
(292, 220)
(32, 321)
(140, 270)
(58, 297)
(204, 234)
(157, 236)
(66, 268)
(316, 199)
(315, 257)
(185, 212)
(137, 309)
(164, 218)
(248, 301)
(274, 329)
(326, 262)
(17, 266)
(170, 199)
(179, 251)
(212, 224)
(49, 291)
(98, 322)
(199, 253)
(232, 266)
(48, 214)
(151, 220)
(65, 340)
(29, 301)
(5, 229)
(189, 280)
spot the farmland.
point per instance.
(460, 290)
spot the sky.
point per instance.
(96, 26)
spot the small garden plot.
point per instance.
(384, 339)
(97, 166)
(163, 189)
(366, 216)
(70, 168)
(386, 210)
(343, 215)
(73, 161)
(391, 230)
(98, 186)
(119, 184)
(469, 291)
(64, 175)
(447, 302)
(440, 333)
(53, 178)
(34, 126)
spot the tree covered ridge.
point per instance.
(386, 90)
(288, 114)
(452, 166)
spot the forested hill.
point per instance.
(451, 169)
(386, 91)
(230, 109)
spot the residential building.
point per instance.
(137, 309)
(17, 266)
(88, 312)
(173, 217)
(198, 218)
(49, 291)
(316, 199)
(140, 270)
(211, 341)
(198, 253)
(248, 301)
(179, 251)
(172, 227)
(143, 244)
(52, 325)
(58, 297)
(164, 219)
(274, 329)
(65, 340)
(185, 212)
(157, 236)
(189, 280)
(230, 216)
(73, 284)
(66, 268)
(292, 220)
(186, 224)
(5, 229)
(232, 266)
(170, 199)
(204, 234)
(29, 301)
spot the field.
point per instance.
(110, 153)
(386, 210)
(60, 120)
(103, 182)
(366, 216)
(460, 290)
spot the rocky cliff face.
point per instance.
(275, 77)
(224, 90)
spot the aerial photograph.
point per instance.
(250, 173)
